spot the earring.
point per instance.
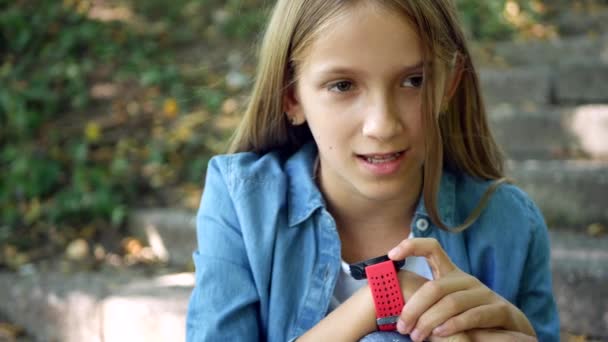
(292, 119)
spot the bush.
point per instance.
(69, 160)
(491, 20)
(49, 57)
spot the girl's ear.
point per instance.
(455, 77)
(292, 106)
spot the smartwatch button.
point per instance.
(422, 224)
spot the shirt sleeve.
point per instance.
(224, 303)
(536, 292)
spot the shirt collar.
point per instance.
(304, 196)
(446, 202)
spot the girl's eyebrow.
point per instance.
(329, 69)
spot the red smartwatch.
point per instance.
(381, 274)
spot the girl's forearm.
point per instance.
(350, 321)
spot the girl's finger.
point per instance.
(429, 248)
(461, 337)
(485, 316)
(410, 282)
(449, 306)
(481, 335)
(427, 296)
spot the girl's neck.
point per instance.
(372, 231)
(362, 216)
(369, 227)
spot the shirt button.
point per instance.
(422, 224)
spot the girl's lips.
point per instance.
(381, 155)
(382, 164)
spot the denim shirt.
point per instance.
(269, 255)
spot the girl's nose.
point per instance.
(382, 120)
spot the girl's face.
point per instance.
(359, 89)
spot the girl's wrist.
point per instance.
(365, 301)
(350, 321)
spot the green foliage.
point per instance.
(250, 19)
(49, 56)
(51, 51)
(485, 20)
(61, 167)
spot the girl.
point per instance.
(366, 133)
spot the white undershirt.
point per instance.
(347, 285)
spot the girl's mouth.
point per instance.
(381, 158)
(382, 164)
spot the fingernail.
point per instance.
(401, 327)
(415, 335)
(393, 252)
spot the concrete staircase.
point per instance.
(548, 107)
(549, 111)
(115, 305)
(550, 114)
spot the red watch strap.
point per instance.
(388, 299)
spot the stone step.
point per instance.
(580, 275)
(170, 232)
(549, 132)
(104, 307)
(570, 193)
(529, 85)
(123, 305)
(551, 52)
(148, 309)
(580, 82)
(572, 23)
(574, 82)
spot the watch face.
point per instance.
(357, 270)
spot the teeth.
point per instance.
(383, 159)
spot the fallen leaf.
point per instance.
(77, 250)
(230, 106)
(132, 246)
(596, 229)
(92, 132)
(9, 331)
(170, 108)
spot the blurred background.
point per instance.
(110, 110)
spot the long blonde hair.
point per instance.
(457, 133)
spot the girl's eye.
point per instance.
(413, 81)
(341, 86)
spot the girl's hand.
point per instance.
(482, 335)
(454, 301)
(459, 337)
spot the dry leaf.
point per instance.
(9, 331)
(170, 108)
(92, 132)
(132, 246)
(230, 106)
(77, 250)
(596, 229)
